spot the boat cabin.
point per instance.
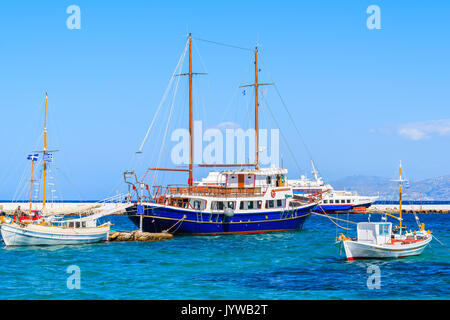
(377, 233)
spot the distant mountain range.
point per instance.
(429, 189)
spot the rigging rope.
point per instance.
(222, 44)
(168, 120)
(281, 132)
(287, 110)
(164, 96)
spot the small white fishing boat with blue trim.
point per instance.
(36, 229)
(377, 240)
(63, 232)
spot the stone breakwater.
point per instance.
(139, 236)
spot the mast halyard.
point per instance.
(45, 152)
(400, 196)
(31, 184)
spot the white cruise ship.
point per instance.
(331, 201)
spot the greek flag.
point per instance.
(406, 184)
(33, 157)
(243, 92)
(48, 157)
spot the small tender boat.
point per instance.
(377, 240)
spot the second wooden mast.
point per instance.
(256, 111)
(45, 152)
(191, 140)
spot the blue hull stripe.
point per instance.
(158, 219)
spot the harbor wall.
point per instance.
(9, 206)
(442, 208)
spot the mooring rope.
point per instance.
(175, 224)
(434, 237)
(331, 219)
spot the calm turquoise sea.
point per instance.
(293, 265)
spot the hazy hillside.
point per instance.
(431, 189)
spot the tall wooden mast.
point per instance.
(400, 196)
(256, 111)
(31, 183)
(191, 143)
(45, 151)
(256, 85)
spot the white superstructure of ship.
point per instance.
(331, 200)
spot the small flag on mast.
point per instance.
(48, 157)
(33, 157)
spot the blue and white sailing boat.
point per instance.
(37, 229)
(239, 201)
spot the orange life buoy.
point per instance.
(273, 193)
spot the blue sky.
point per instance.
(362, 99)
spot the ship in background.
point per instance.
(243, 200)
(330, 200)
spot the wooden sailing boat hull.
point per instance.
(36, 235)
(191, 222)
(358, 250)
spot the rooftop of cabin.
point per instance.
(216, 177)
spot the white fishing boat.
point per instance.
(36, 229)
(376, 240)
(66, 232)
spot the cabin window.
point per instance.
(384, 229)
(331, 201)
(268, 180)
(348, 201)
(325, 201)
(269, 204)
(259, 204)
(71, 224)
(279, 203)
(220, 205)
(231, 204)
(77, 224)
(247, 205)
(217, 205)
(197, 204)
(337, 201)
(83, 224)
